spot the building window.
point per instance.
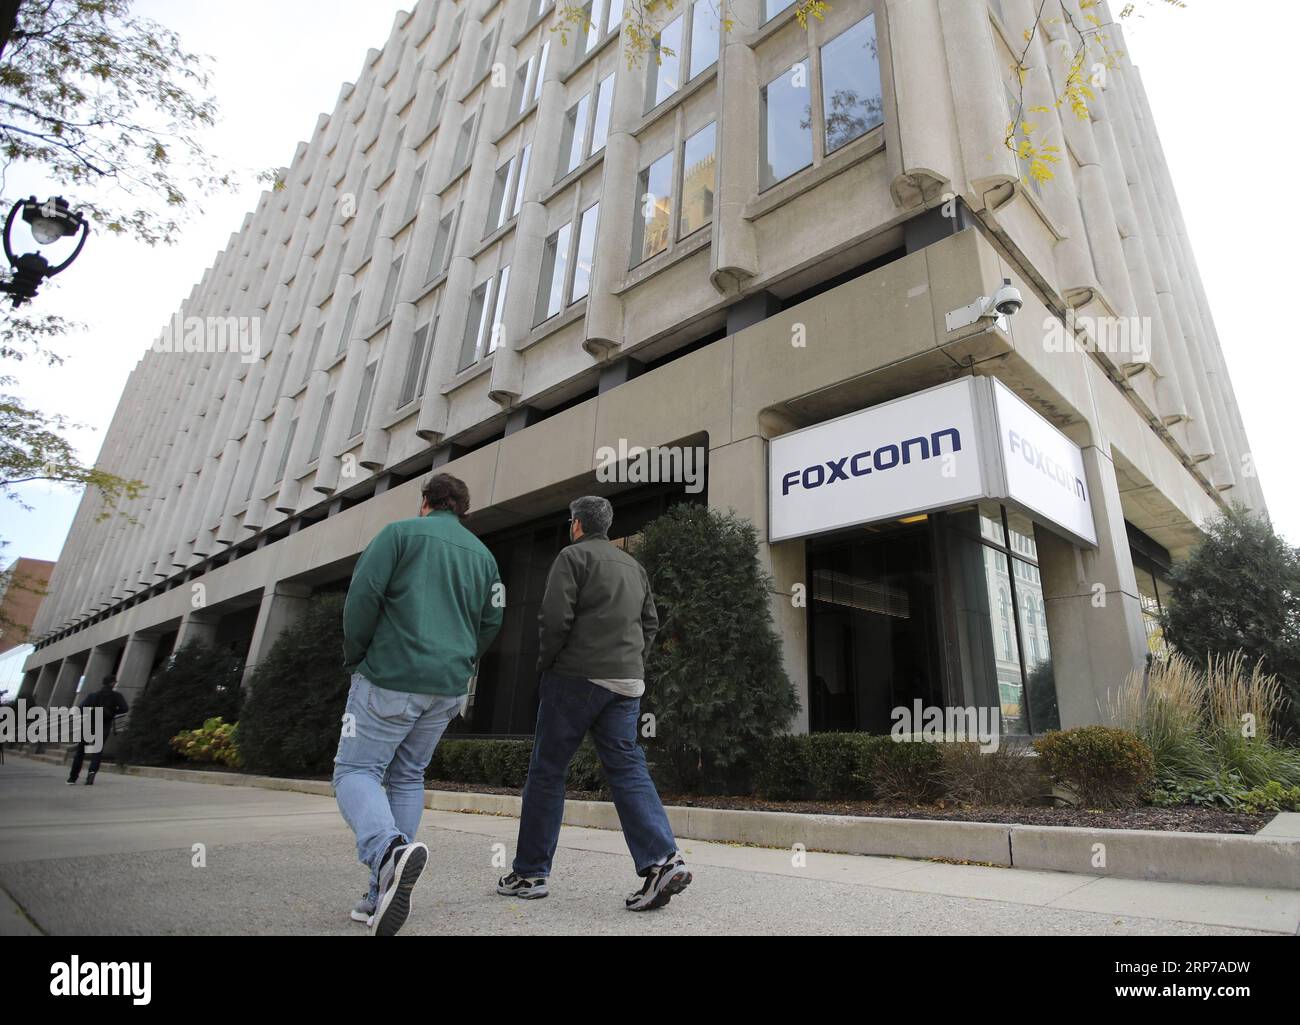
(852, 103)
(706, 34)
(664, 64)
(528, 81)
(582, 135)
(600, 17)
(785, 128)
(464, 144)
(457, 26)
(486, 315)
(522, 180)
(435, 111)
(555, 257)
(771, 8)
(390, 289)
(698, 180)
(349, 321)
(566, 266)
(573, 136)
(586, 252)
(501, 206)
(441, 245)
(363, 399)
(288, 447)
(325, 410)
(650, 229)
(483, 62)
(413, 197)
(315, 349)
(604, 106)
(417, 364)
(996, 594)
(374, 233)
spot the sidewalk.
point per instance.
(118, 859)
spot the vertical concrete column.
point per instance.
(735, 244)
(27, 689)
(65, 684)
(737, 482)
(1094, 614)
(45, 683)
(99, 665)
(282, 604)
(197, 628)
(137, 661)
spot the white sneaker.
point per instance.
(363, 910)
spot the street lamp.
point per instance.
(51, 222)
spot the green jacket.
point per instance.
(422, 607)
(598, 616)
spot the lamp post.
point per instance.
(51, 222)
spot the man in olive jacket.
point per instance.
(597, 623)
(424, 604)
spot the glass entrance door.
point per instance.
(874, 629)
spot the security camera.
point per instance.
(1007, 301)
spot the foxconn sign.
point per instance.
(945, 447)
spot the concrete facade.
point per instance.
(390, 345)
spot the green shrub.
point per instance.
(1219, 790)
(196, 684)
(1004, 776)
(504, 763)
(781, 768)
(1103, 766)
(462, 761)
(297, 696)
(1255, 760)
(1273, 796)
(906, 770)
(715, 680)
(835, 761)
(1239, 590)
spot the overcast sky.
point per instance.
(1218, 85)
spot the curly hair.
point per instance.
(444, 492)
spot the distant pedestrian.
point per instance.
(423, 606)
(597, 623)
(113, 705)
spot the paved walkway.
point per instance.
(118, 859)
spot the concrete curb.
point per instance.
(1268, 862)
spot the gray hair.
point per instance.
(595, 514)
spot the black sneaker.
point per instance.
(661, 885)
(90, 780)
(515, 885)
(71, 782)
(397, 877)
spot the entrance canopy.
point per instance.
(960, 442)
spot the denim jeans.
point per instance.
(388, 740)
(567, 709)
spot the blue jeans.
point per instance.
(567, 709)
(388, 740)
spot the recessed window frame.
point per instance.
(684, 25)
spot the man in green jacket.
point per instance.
(424, 605)
(598, 621)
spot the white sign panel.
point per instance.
(1044, 469)
(914, 454)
